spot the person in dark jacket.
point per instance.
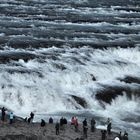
(51, 120)
(85, 128)
(125, 136)
(31, 116)
(43, 123)
(93, 122)
(120, 135)
(3, 114)
(109, 127)
(85, 123)
(57, 127)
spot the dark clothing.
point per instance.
(109, 128)
(120, 136)
(32, 115)
(50, 120)
(103, 134)
(93, 125)
(57, 128)
(65, 121)
(125, 136)
(61, 121)
(85, 122)
(11, 121)
(3, 114)
(43, 123)
(29, 120)
(85, 129)
(25, 120)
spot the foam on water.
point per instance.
(56, 84)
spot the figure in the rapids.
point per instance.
(51, 120)
(93, 122)
(57, 127)
(3, 114)
(109, 126)
(85, 128)
(11, 117)
(43, 123)
(103, 136)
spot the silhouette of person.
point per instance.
(31, 116)
(120, 135)
(125, 136)
(11, 117)
(93, 122)
(85, 128)
(57, 127)
(3, 114)
(43, 123)
(50, 120)
(109, 126)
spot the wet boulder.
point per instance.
(130, 79)
(109, 93)
(81, 101)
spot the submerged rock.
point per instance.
(130, 79)
(109, 93)
(80, 101)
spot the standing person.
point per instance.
(93, 122)
(76, 124)
(85, 128)
(43, 123)
(57, 127)
(120, 135)
(31, 116)
(51, 120)
(62, 123)
(72, 120)
(11, 117)
(3, 114)
(125, 136)
(109, 126)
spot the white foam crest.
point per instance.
(122, 106)
(31, 92)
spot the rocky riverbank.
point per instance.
(24, 131)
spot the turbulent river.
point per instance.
(72, 57)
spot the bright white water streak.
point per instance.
(50, 92)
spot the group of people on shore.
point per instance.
(3, 115)
(61, 125)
